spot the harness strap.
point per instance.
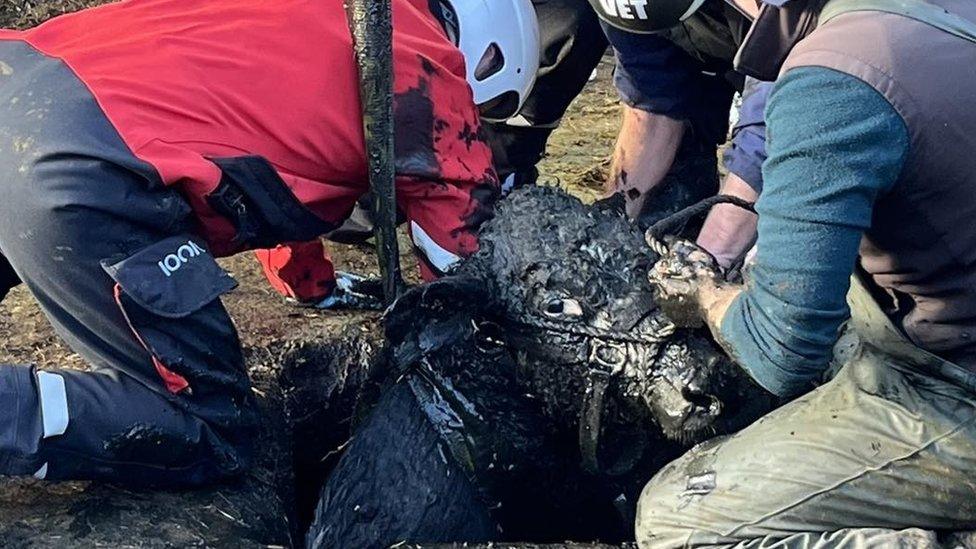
(672, 224)
(591, 419)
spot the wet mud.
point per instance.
(309, 381)
(555, 384)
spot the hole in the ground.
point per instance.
(325, 386)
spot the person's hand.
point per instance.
(683, 273)
(353, 292)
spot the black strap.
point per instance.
(673, 223)
(591, 419)
(263, 210)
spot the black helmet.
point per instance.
(645, 16)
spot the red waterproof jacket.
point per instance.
(185, 82)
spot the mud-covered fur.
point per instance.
(557, 270)
(516, 341)
(506, 359)
(486, 447)
(562, 281)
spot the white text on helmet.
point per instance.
(625, 9)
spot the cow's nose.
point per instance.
(701, 403)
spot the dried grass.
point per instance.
(23, 14)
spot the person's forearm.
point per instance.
(729, 230)
(645, 149)
(838, 145)
(713, 302)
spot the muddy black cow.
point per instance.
(537, 385)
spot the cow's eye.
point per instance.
(562, 308)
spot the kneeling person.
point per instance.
(147, 138)
(870, 155)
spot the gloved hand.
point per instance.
(353, 292)
(683, 270)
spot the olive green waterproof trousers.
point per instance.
(879, 456)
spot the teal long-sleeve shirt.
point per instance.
(834, 145)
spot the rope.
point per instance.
(669, 224)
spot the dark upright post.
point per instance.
(371, 23)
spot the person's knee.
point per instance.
(162, 439)
(659, 523)
(220, 454)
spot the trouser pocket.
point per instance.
(169, 294)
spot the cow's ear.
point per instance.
(433, 315)
(446, 295)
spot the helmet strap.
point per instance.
(444, 12)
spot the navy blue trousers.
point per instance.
(109, 254)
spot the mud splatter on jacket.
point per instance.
(190, 85)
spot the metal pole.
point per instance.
(371, 24)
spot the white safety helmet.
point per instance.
(500, 42)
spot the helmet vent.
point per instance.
(502, 107)
(491, 63)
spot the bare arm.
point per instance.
(714, 301)
(729, 231)
(646, 148)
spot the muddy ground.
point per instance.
(306, 367)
